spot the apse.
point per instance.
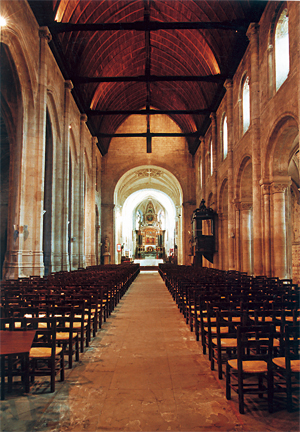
(145, 225)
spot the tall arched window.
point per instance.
(225, 137)
(282, 51)
(200, 173)
(246, 104)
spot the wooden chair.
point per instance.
(66, 336)
(224, 345)
(45, 358)
(286, 370)
(254, 361)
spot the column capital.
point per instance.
(69, 85)
(44, 33)
(228, 84)
(245, 206)
(252, 31)
(265, 188)
(83, 118)
(213, 118)
(280, 187)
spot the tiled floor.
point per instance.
(143, 372)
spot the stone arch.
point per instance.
(281, 171)
(150, 178)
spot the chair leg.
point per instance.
(289, 400)
(241, 393)
(228, 388)
(77, 350)
(62, 367)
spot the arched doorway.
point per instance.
(148, 214)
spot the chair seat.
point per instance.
(86, 317)
(64, 336)
(280, 361)
(43, 352)
(16, 325)
(76, 325)
(214, 330)
(226, 342)
(255, 366)
(212, 319)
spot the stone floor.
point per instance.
(144, 371)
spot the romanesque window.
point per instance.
(224, 137)
(200, 173)
(282, 54)
(246, 104)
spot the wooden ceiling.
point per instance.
(148, 57)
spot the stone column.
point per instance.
(215, 179)
(267, 232)
(231, 213)
(252, 34)
(108, 225)
(246, 237)
(186, 219)
(279, 264)
(65, 264)
(28, 258)
(237, 235)
(81, 250)
(203, 167)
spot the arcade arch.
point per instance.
(137, 191)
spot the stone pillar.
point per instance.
(203, 167)
(215, 179)
(237, 235)
(231, 213)
(246, 237)
(186, 218)
(252, 34)
(267, 231)
(65, 264)
(279, 242)
(81, 242)
(75, 211)
(108, 224)
(25, 258)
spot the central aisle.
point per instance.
(144, 371)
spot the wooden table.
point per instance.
(14, 343)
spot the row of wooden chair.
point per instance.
(242, 327)
(64, 315)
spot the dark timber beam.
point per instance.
(234, 25)
(148, 135)
(151, 78)
(94, 113)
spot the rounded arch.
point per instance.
(282, 144)
(25, 70)
(245, 161)
(149, 181)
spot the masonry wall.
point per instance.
(260, 175)
(44, 94)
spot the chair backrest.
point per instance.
(45, 336)
(255, 343)
(292, 345)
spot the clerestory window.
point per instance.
(282, 51)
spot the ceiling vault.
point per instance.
(148, 57)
